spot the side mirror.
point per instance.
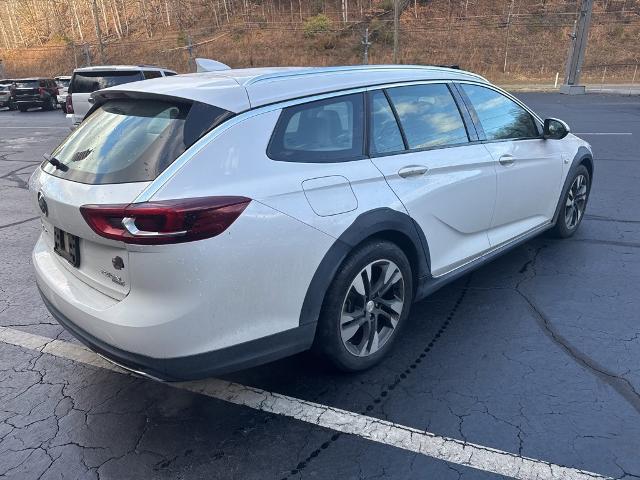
(555, 129)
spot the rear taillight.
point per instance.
(165, 221)
(68, 103)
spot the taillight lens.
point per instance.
(69, 104)
(165, 221)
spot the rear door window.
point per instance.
(126, 140)
(330, 130)
(384, 136)
(88, 82)
(500, 117)
(429, 115)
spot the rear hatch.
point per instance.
(103, 165)
(27, 90)
(84, 83)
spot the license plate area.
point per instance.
(67, 246)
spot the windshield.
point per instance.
(28, 83)
(88, 82)
(128, 140)
(63, 83)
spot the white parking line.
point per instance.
(380, 431)
(36, 127)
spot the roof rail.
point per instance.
(319, 70)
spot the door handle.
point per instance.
(412, 171)
(507, 160)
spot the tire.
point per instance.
(50, 105)
(12, 106)
(573, 204)
(22, 109)
(354, 345)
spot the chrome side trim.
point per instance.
(542, 227)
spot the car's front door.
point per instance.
(418, 140)
(529, 168)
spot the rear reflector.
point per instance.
(165, 221)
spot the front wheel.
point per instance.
(573, 204)
(365, 306)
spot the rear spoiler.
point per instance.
(208, 65)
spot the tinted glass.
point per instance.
(87, 82)
(324, 131)
(501, 118)
(132, 140)
(151, 74)
(169, 74)
(429, 115)
(385, 134)
(28, 83)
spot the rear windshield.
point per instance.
(28, 83)
(126, 140)
(63, 83)
(87, 82)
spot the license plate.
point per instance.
(67, 246)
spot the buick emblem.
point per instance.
(42, 203)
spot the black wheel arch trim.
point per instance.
(379, 221)
(582, 157)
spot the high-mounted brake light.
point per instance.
(165, 221)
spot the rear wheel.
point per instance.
(22, 109)
(365, 306)
(573, 204)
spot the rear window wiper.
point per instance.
(55, 162)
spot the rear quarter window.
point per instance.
(323, 131)
(88, 82)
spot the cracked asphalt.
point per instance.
(536, 354)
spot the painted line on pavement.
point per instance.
(604, 133)
(38, 127)
(380, 431)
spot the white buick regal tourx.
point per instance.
(201, 223)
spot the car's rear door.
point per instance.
(444, 177)
(529, 168)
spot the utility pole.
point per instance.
(577, 50)
(190, 50)
(396, 26)
(96, 20)
(366, 43)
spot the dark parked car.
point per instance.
(36, 92)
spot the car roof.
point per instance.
(63, 77)
(237, 90)
(106, 68)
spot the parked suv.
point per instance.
(7, 95)
(213, 221)
(85, 81)
(36, 92)
(63, 87)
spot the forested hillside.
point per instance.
(507, 40)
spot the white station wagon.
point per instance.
(201, 223)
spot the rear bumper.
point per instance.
(198, 366)
(30, 103)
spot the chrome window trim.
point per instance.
(192, 151)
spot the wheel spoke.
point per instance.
(350, 324)
(358, 286)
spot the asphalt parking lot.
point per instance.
(526, 366)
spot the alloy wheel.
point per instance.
(372, 308)
(576, 202)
